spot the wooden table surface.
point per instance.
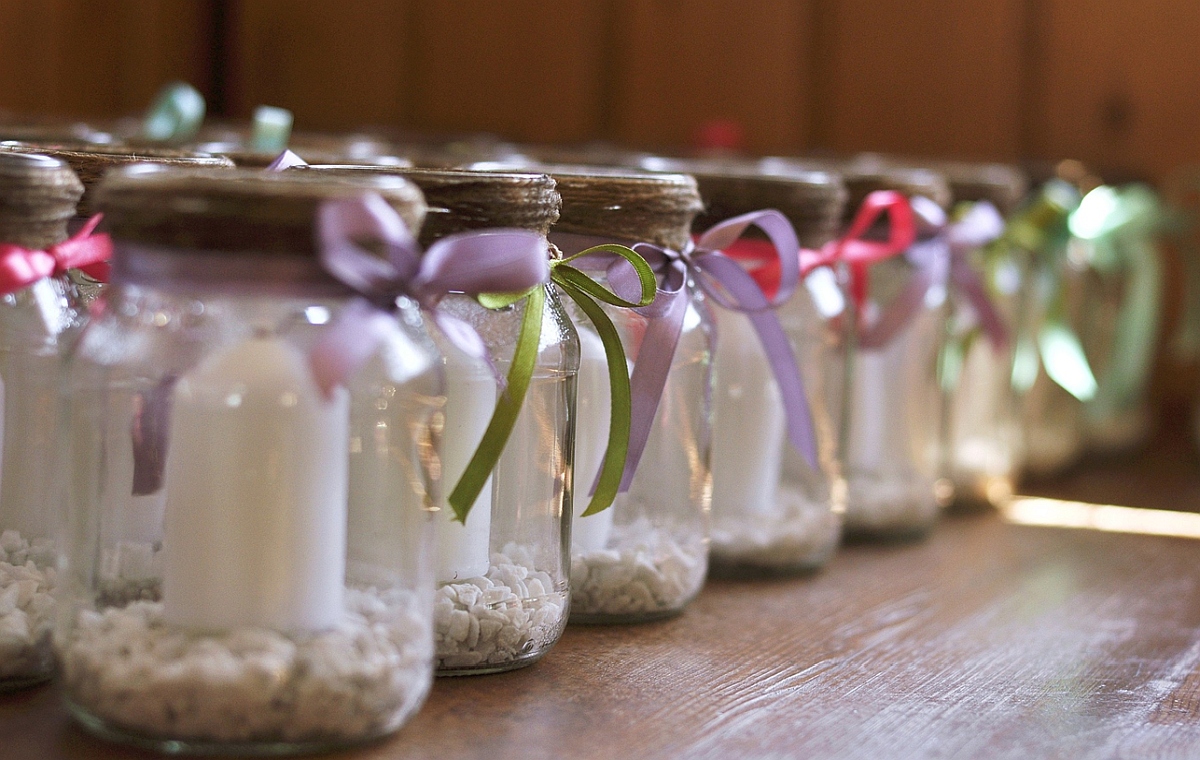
(990, 639)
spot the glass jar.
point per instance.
(645, 557)
(892, 451)
(37, 318)
(502, 598)
(773, 512)
(247, 563)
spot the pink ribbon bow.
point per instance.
(88, 252)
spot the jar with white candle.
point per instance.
(247, 561)
(646, 556)
(502, 599)
(892, 450)
(773, 512)
(983, 448)
(37, 197)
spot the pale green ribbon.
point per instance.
(586, 293)
(1038, 233)
(175, 115)
(1121, 225)
(271, 129)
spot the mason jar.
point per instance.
(502, 599)
(983, 448)
(646, 556)
(892, 451)
(37, 318)
(773, 511)
(247, 564)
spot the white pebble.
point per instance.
(800, 533)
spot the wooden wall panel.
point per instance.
(938, 77)
(99, 58)
(681, 63)
(335, 65)
(526, 69)
(1117, 83)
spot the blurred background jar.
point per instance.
(247, 568)
(37, 318)
(773, 511)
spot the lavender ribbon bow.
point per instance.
(942, 258)
(484, 261)
(731, 287)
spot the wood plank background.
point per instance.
(1103, 80)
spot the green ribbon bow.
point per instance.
(175, 115)
(586, 293)
(1038, 233)
(1121, 224)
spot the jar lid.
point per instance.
(910, 181)
(812, 200)
(38, 195)
(1003, 185)
(461, 200)
(236, 210)
(623, 204)
(244, 156)
(91, 163)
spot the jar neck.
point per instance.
(234, 273)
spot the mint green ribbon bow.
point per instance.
(175, 115)
(586, 293)
(1121, 225)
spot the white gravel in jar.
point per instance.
(27, 582)
(799, 533)
(359, 680)
(644, 570)
(889, 505)
(510, 613)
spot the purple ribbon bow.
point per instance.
(941, 258)
(483, 261)
(731, 287)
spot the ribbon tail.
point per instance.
(348, 343)
(791, 385)
(1065, 361)
(650, 370)
(150, 431)
(897, 315)
(508, 408)
(1137, 324)
(608, 480)
(990, 320)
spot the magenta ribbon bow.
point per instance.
(942, 257)
(21, 267)
(731, 287)
(483, 261)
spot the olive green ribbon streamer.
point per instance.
(175, 115)
(585, 292)
(1123, 242)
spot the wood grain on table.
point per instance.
(988, 640)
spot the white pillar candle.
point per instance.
(748, 421)
(463, 550)
(593, 410)
(256, 494)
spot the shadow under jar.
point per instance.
(502, 599)
(37, 197)
(773, 512)
(247, 565)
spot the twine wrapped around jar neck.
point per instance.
(236, 219)
(644, 208)
(91, 164)
(38, 195)
(460, 200)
